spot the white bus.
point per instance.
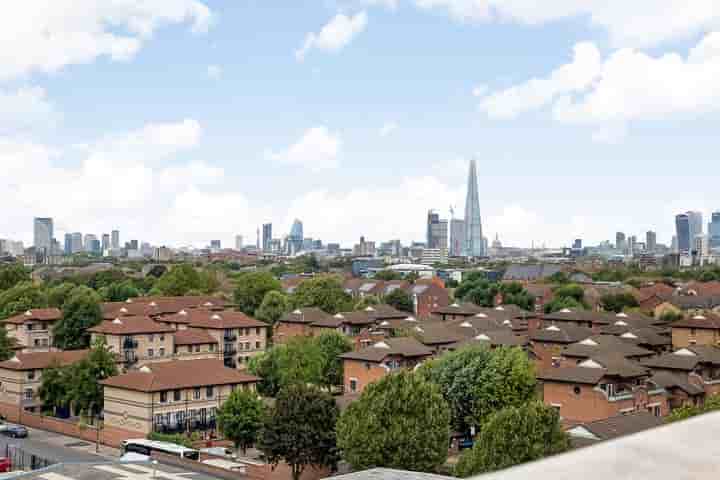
(147, 447)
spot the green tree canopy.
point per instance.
(251, 289)
(400, 421)
(477, 381)
(185, 278)
(240, 418)
(300, 430)
(119, 292)
(20, 298)
(12, 274)
(618, 302)
(298, 361)
(80, 311)
(401, 300)
(54, 388)
(324, 292)
(366, 301)
(515, 294)
(512, 436)
(6, 345)
(571, 290)
(59, 293)
(331, 345)
(85, 391)
(273, 307)
(562, 303)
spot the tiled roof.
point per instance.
(495, 338)
(35, 314)
(193, 336)
(222, 320)
(561, 334)
(400, 346)
(458, 309)
(671, 380)
(305, 316)
(159, 305)
(601, 344)
(584, 375)
(40, 360)
(130, 326)
(178, 374)
(688, 302)
(618, 366)
(621, 425)
(685, 358)
(705, 321)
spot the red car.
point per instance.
(5, 465)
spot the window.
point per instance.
(30, 326)
(162, 351)
(247, 345)
(257, 345)
(257, 330)
(163, 397)
(31, 375)
(209, 392)
(196, 394)
(353, 385)
(162, 338)
(212, 347)
(240, 345)
(576, 390)
(176, 395)
(151, 352)
(37, 342)
(692, 332)
(151, 338)
(197, 348)
(28, 394)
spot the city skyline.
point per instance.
(207, 146)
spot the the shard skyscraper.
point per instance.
(474, 246)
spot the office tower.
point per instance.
(215, 244)
(88, 243)
(132, 245)
(115, 240)
(105, 242)
(577, 244)
(266, 236)
(620, 243)
(238, 242)
(674, 244)
(682, 231)
(295, 239)
(68, 244)
(307, 244)
(77, 242)
(701, 246)
(474, 245)
(651, 241)
(457, 237)
(632, 245)
(43, 233)
(714, 230)
(696, 224)
(432, 219)
(437, 231)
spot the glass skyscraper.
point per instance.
(43, 233)
(682, 228)
(474, 246)
(714, 230)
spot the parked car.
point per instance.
(14, 431)
(5, 465)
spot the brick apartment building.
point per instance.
(32, 330)
(696, 330)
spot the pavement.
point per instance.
(58, 448)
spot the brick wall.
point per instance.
(544, 353)
(362, 373)
(684, 337)
(284, 331)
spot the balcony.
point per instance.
(130, 358)
(229, 337)
(229, 349)
(130, 344)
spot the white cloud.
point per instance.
(628, 23)
(178, 177)
(24, 108)
(41, 36)
(572, 77)
(317, 149)
(479, 90)
(388, 128)
(214, 71)
(626, 86)
(334, 36)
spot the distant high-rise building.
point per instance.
(238, 242)
(577, 244)
(266, 236)
(696, 224)
(215, 244)
(701, 246)
(714, 231)
(651, 241)
(68, 244)
(437, 231)
(77, 242)
(682, 229)
(620, 243)
(115, 240)
(674, 244)
(457, 237)
(632, 245)
(474, 245)
(88, 242)
(295, 239)
(43, 233)
(105, 245)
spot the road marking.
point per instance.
(54, 476)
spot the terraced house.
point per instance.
(32, 330)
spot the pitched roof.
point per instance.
(177, 374)
(561, 334)
(221, 320)
(670, 380)
(130, 326)
(305, 315)
(496, 338)
(584, 375)
(466, 309)
(621, 425)
(618, 366)
(685, 358)
(705, 321)
(154, 306)
(658, 289)
(40, 360)
(399, 346)
(531, 272)
(193, 336)
(602, 344)
(35, 314)
(688, 302)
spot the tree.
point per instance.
(571, 290)
(59, 293)
(6, 345)
(251, 289)
(20, 298)
(387, 275)
(559, 278)
(482, 296)
(618, 302)
(84, 389)
(11, 275)
(325, 292)
(331, 345)
(273, 306)
(366, 301)
(477, 381)
(184, 278)
(513, 436)
(240, 418)
(401, 300)
(80, 312)
(298, 361)
(54, 388)
(562, 303)
(119, 292)
(412, 277)
(514, 293)
(300, 430)
(400, 421)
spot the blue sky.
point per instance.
(188, 120)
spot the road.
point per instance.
(55, 447)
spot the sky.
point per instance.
(182, 121)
